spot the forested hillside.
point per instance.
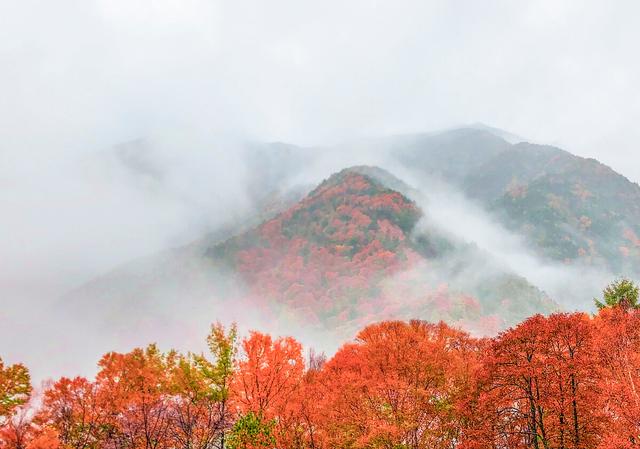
(347, 254)
(568, 208)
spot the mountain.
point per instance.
(568, 208)
(349, 253)
(452, 155)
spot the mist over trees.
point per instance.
(566, 380)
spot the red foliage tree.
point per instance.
(268, 380)
(133, 389)
(541, 386)
(398, 385)
(566, 381)
(73, 408)
(618, 342)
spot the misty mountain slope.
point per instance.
(453, 155)
(347, 254)
(166, 290)
(271, 166)
(158, 282)
(165, 293)
(568, 208)
(505, 135)
(582, 211)
(516, 166)
(264, 170)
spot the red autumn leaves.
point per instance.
(563, 381)
(338, 257)
(339, 243)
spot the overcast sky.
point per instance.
(77, 77)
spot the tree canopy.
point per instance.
(620, 293)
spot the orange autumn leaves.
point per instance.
(326, 257)
(142, 399)
(398, 384)
(541, 386)
(563, 381)
(269, 374)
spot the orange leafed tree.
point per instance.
(618, 333)
(541, 389)
(564, 381)
(73, 408)
(398, 385)
(133, 387)
(268, 380)
(21, 431)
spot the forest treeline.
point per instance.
(568, 380)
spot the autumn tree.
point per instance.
(572, 381)
(618, 343)
(542, 385)
(200, 411)
(267, 381)
(21, 431)
(74, 409)
(134, 389)
(15, 389)
(308, 405)
(16, 431)
(620, 293)
(398, 385)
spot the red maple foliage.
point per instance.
(564, 381)
(342, 257)
(330, 250)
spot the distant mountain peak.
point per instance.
(346, 254)
(506, 135)
(346, 212)
(379, 179)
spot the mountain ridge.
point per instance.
(348, 253)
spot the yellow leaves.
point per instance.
(15, 388)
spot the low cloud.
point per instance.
(572, 286)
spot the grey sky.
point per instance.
(81, 75)
(77, 77)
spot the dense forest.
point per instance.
(566, 380)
